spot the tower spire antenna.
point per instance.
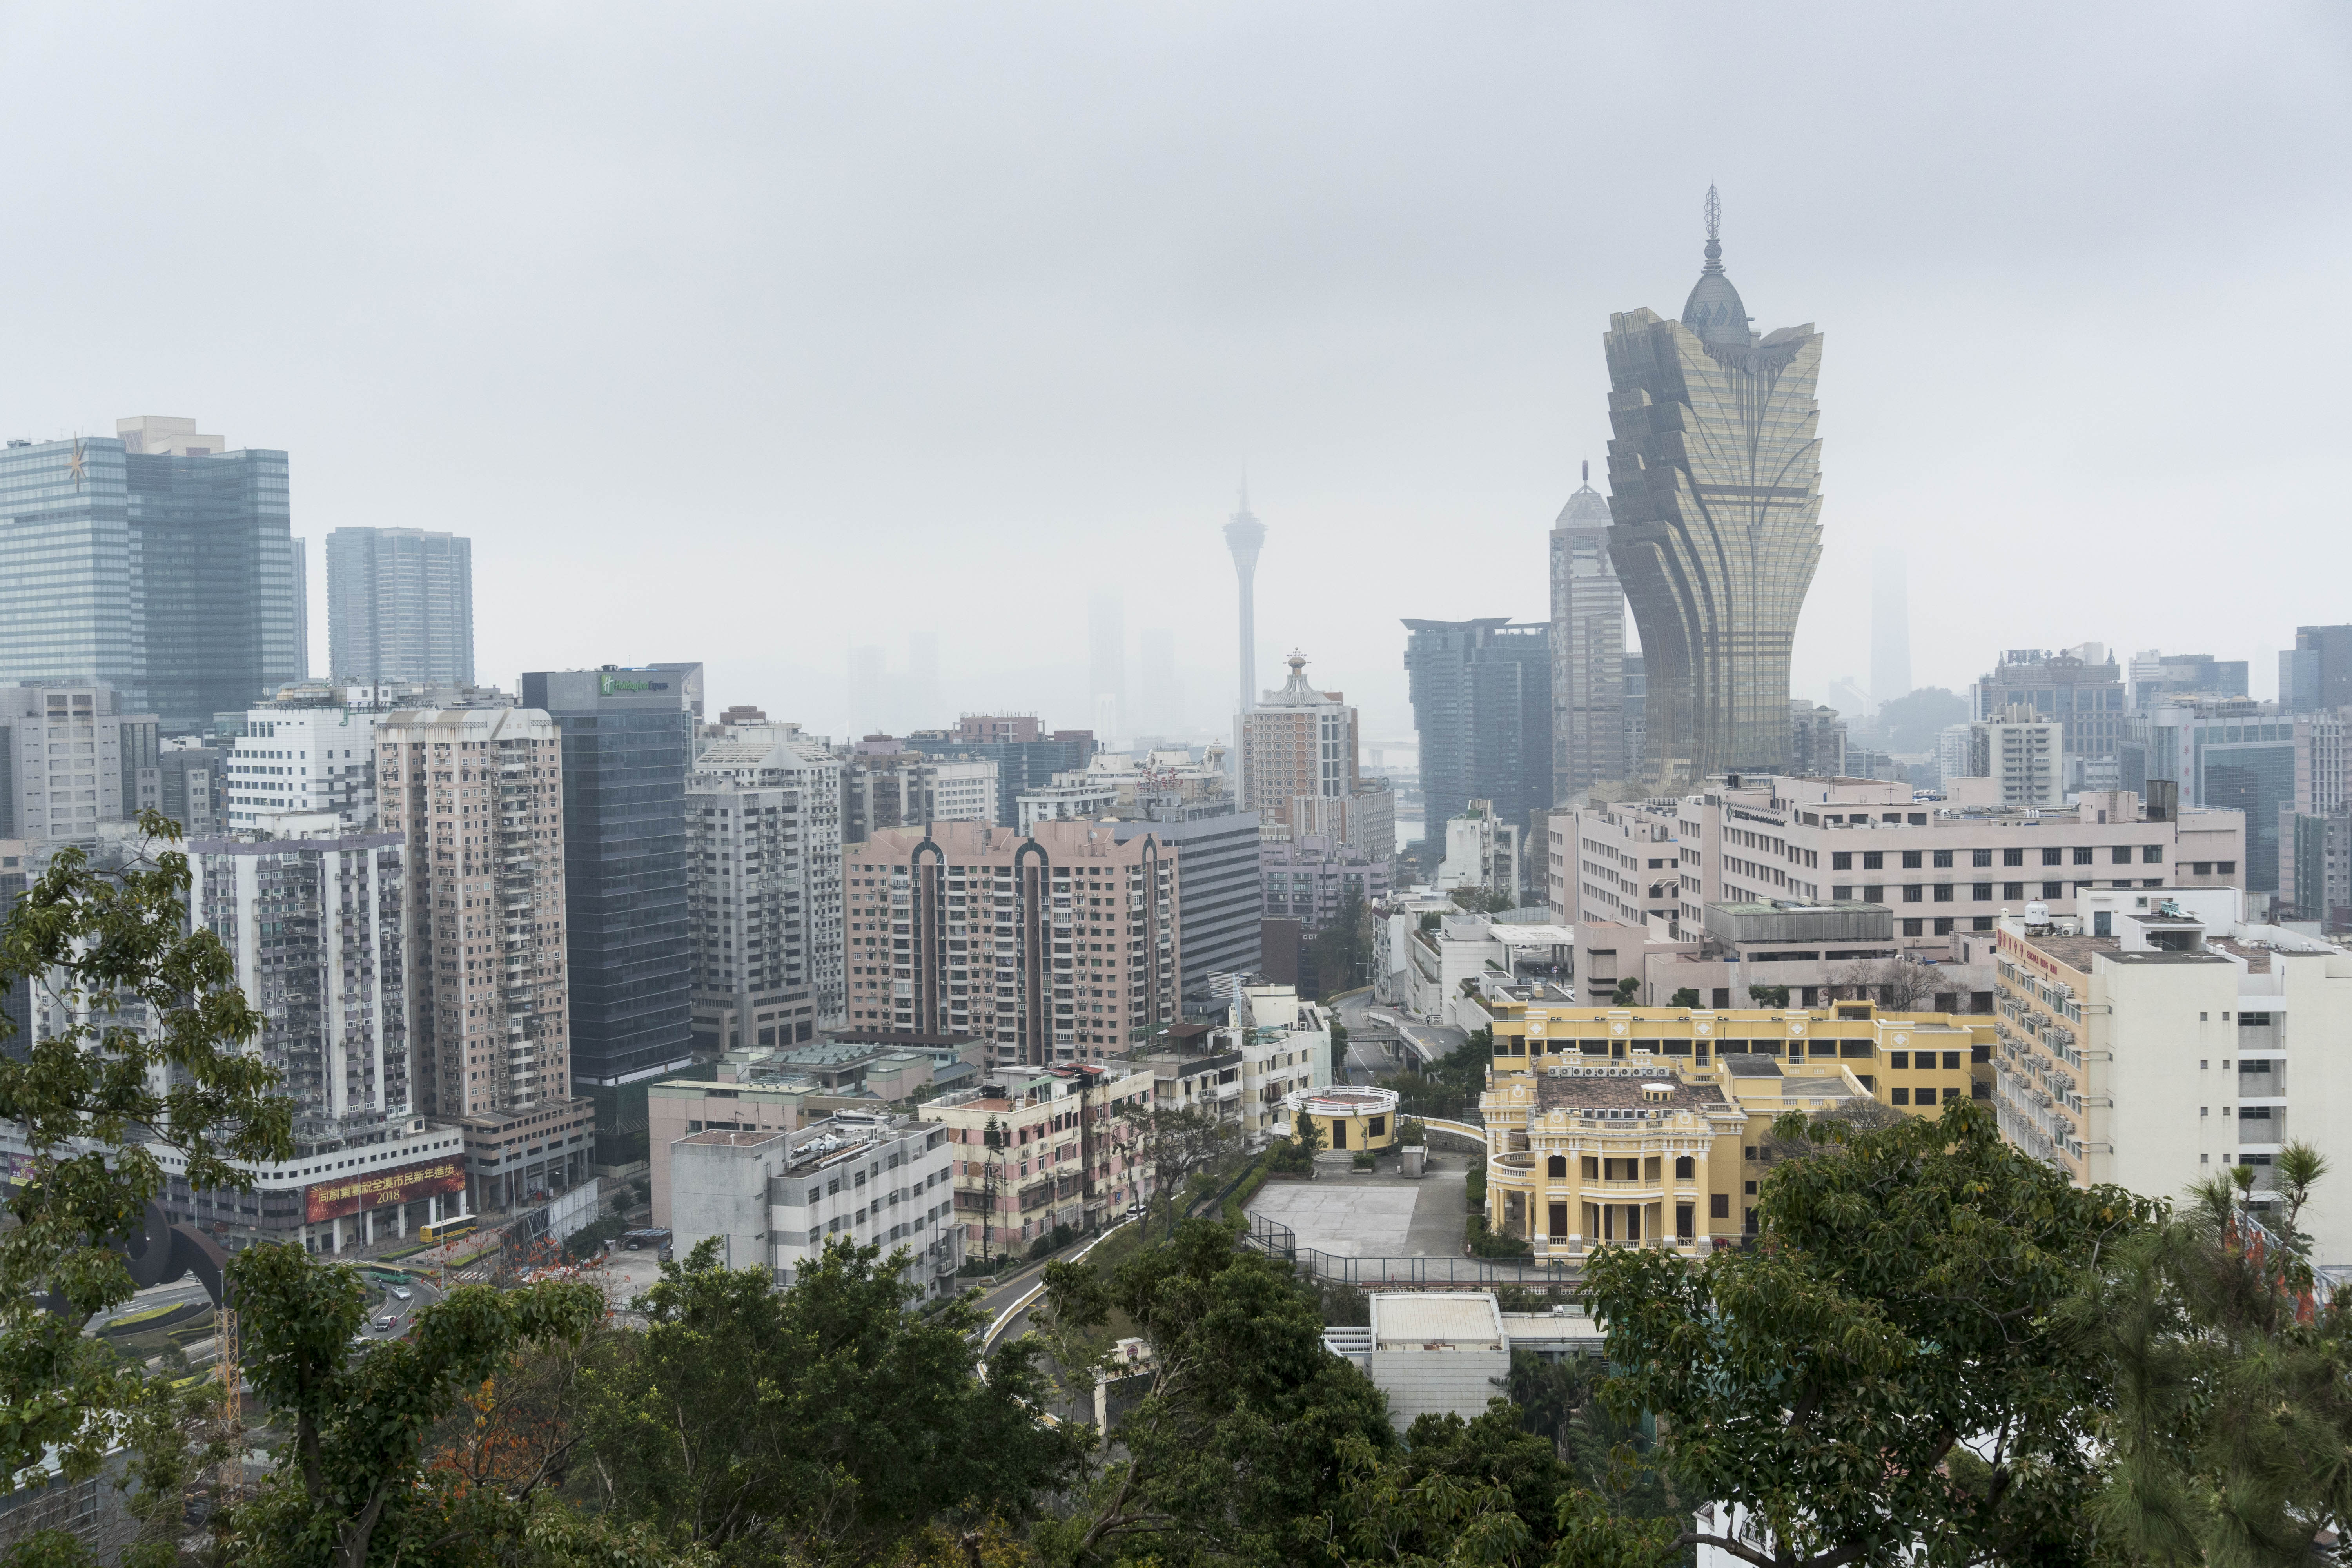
(1714, 231)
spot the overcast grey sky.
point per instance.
(750, 333)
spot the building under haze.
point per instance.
(1714, 478)
(1588, 650)
(155, 560)
(2316, 673)
(1107, 662)
(2079, 686)
(400, 606)
(1025, 756)
(1890, 626)
(1245, 536)
(1482, 710)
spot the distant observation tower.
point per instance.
(1244, 536)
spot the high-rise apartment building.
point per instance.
(2159, 1037)
(1482, 709)
(2025, 756)
(763, 843)
(70, 759)
(1060, 946)
(1297, 742)
(400, 606)
(1713, 477)
(315, 917)
(313, 750)
(155, 561)
(1588, 648)
(628, 741)
(2316, 674)
(479, 794)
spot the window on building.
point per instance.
(2120, 855)
(2054, 857)
(1980, 892)
(2053, 890)
(1943, 893)
(1841, 859)
(1873, 893)
(2226, 868)
(1914, 927)
(1944, 926)
(1842, 890)
(1911, 860)
(1914, 892)
(1873, 860)
(1718, 1206)
(2082, 854)
(2152, 854)
(1944, 858)
(1980, 923)
(1685, 1167)
(1900, 1096)
(2012, 856)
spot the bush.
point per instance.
(1410, 1135)
(1685, 997)
(1290, 1157)
(1362, 1161)
(1474, 1185)
(1485, 1243)
(1052, 1240)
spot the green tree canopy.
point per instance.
(1904, 1298)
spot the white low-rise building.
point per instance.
(775, 1200)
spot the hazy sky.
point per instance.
(748, 334)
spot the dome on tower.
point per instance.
(1714, 309)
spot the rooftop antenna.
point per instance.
(1587, 471)
(1714, 231)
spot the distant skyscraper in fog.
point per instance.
(1244, 536)
(400, 606)
(1588, 650)
(869, 680)
(923, 679)
(1107, 663)
(1890, 626)
(1159, 695)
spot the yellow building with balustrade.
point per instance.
(1651, 1125)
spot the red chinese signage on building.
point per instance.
(375, 1189)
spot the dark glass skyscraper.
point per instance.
(153, 560)
(1481, 706)
(1714, 474)
(628, 740)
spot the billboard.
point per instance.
(374, 1189)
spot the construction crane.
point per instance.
(232, 1470)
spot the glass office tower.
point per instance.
(155, 562)
(1482, 710)
(628, 742)
(1714, 474)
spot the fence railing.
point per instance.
(1279, 1241)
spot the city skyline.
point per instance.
(1404, 356)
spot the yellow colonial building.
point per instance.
(1650, 1125)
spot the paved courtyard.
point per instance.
(1379, 1215)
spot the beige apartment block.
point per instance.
(1057, 946)
(2157, 1039)
(1297, 741)
(479, 792)
(1942, 867)
(1035, 1150)
(763, 858)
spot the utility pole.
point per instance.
(232, 1470)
